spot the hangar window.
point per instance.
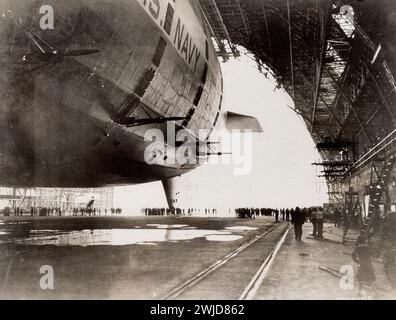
(170, 12)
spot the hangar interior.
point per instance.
(337, 60)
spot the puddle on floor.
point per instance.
(14, 222)
(148, 235)
(120, 237)
(18, 222)
(147, 244)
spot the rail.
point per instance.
(379, 147)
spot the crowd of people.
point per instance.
(252, 213)
(297, 216)
(161, 211)
(364, 251)
(178, 211)
(95, 211)
(58, 211)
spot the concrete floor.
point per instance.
(296, 273)
(174, 258)
(130, 258)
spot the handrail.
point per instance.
(373, 152)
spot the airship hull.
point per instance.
(63, 115)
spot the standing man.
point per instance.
(319, 221)
(277, 216)
(298, 220)
(362, 255)
(292, 215)
(337, 217)
(314, 221)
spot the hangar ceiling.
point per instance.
(336, 59)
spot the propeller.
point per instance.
(47, 54)
(49, 59)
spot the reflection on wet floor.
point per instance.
(241, 228)
(153, 234)
(223, 238)
(167, 226)
(16, 222)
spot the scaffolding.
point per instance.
(335, 59)
(66, 199)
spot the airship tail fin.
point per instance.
(242, 122)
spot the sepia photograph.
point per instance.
(175, 151)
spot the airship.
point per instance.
(83, 81)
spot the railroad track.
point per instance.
(255, 282)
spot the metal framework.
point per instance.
(66, 199)
(336, 59)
